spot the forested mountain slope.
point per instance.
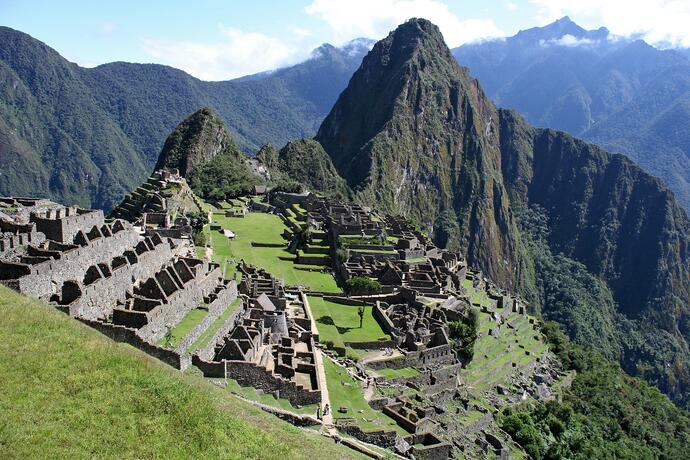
(87, 136)
(623, 94)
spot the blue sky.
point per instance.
(215, 39)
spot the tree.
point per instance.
(360, 312)
(464, 334)
(361, 285)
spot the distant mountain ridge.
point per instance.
(621, 93)
(88, 136)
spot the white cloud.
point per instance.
(657, 21)
(511, 6)
(375, 18)
(568, 40)
(238, 53)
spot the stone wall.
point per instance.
(249, 374)
(215, 310)
(47, 277)
(178, 304)
(428, 447)
(252, 375)
(98, 299)
(379, 438)
(11, 241)
(207, 353)
(58, 227)
(128, 335)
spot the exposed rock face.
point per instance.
(198, 139)
(603, 210)
(414, 134)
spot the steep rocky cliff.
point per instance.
(414, 134)
(625, 227)
(591, 239)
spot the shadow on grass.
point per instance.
(328, 321)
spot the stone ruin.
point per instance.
(268, 344)
(131, 287)
(148, 207)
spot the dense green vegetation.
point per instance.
(224, 176)
(601, 267)
(69, 392)
(362, 285)
(89, 136)
(304, 161)
(464, 334)
(603, 414)
(201, 148)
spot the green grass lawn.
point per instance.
(69, 392)
(208, 334)
(340, 323)
(265, 228)
(184, 327)
(343, 390)
(397, 373)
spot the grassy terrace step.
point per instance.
(397, 373)
(339, 323)
(253, 395)
(343, 390)
(208, 334)
(69, 392)
(181, 329)
(265, 228)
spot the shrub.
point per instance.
(361, 285)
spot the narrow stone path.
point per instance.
(328, 426)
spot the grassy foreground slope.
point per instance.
(69, 392)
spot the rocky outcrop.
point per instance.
(197, 140)
(307, 162)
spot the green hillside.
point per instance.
(69, 392)
(88, 136)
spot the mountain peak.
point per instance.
(199, 138)
(414, 135)
(559, 29)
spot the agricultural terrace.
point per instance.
(497, 357)
(267, 229)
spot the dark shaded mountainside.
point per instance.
(588, 237)
(622, 94)
(88, 136)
